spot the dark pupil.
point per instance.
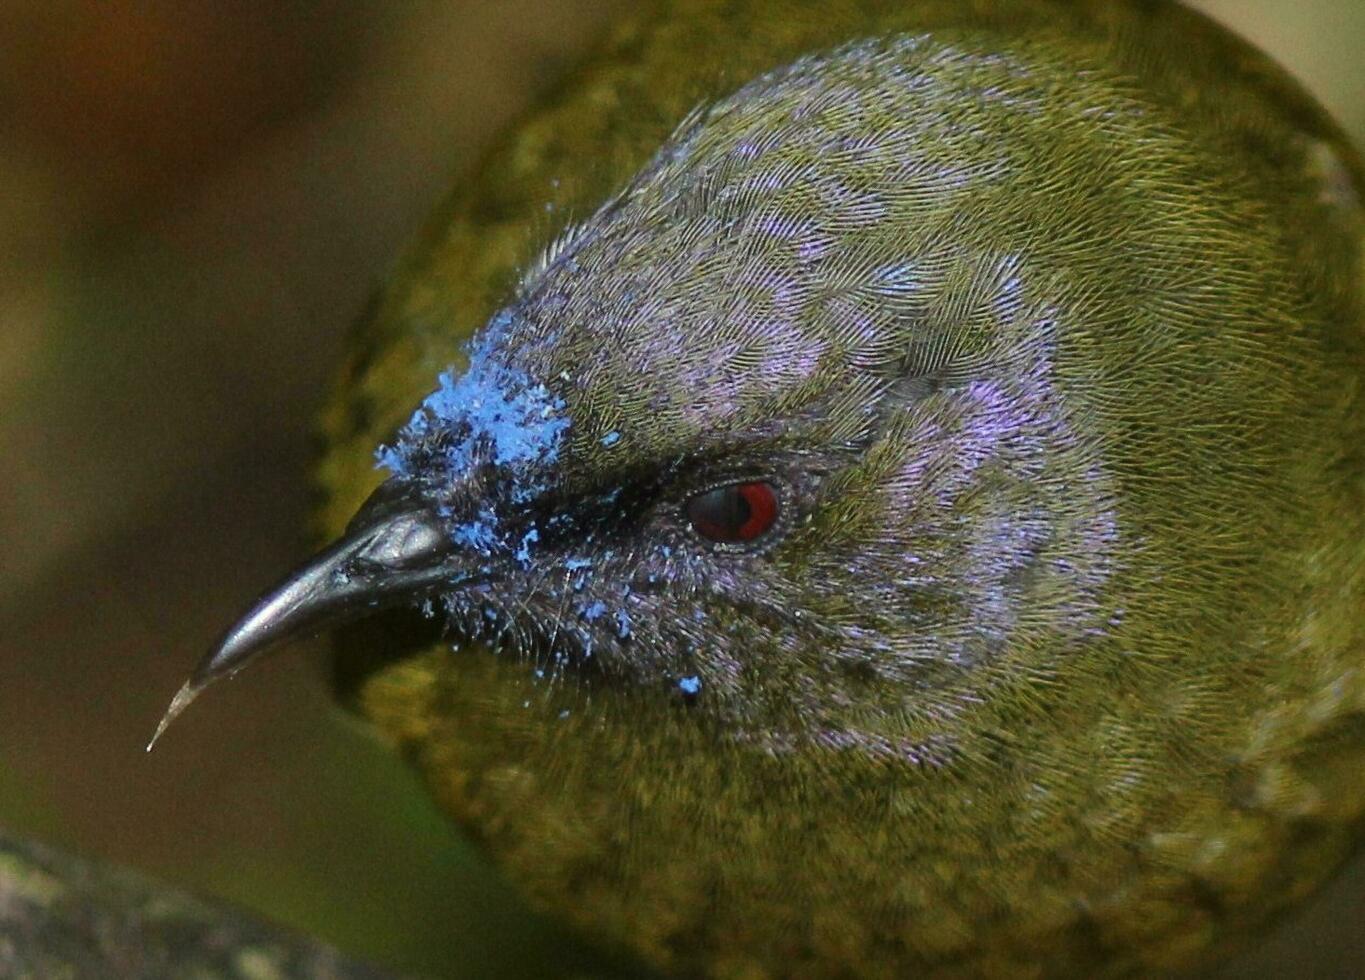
(738, 512)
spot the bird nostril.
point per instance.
(408, 541)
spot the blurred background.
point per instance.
(196, 199)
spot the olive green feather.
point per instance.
(1047, 318)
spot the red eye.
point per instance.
(735, 513)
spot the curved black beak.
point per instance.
(393, 552)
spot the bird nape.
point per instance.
(912, 523)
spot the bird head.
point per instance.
(777, 434)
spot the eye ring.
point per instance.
(739, 513)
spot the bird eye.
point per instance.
(734, 514)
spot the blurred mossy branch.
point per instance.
(62, 916)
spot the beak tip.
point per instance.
(182, 700)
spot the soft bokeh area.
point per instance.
(196, 198)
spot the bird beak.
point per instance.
(393, 552)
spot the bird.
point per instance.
(886, 484)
